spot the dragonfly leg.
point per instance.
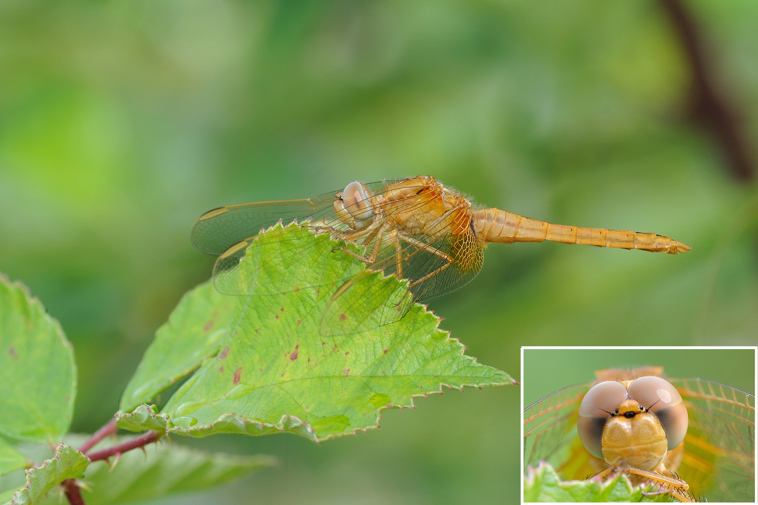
(426, 247)
(369, 236)
(667, 484)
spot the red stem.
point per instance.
(70, 487)
(135, 443)
(72, 491)
(108, 429)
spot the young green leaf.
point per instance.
(164, 469)
(192, 334)
(67, 463)
(37, 371)
(277, 370)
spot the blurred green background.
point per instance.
(733, 367)
(122, 121)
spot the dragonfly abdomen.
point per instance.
(500, 226)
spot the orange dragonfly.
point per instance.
(415, 228)
(715, 459)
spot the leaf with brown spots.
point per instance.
(279, 373)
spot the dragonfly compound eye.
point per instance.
(356, 198)
(663, 400)
(598, 405)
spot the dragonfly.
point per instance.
(417, 229)
(715, 459)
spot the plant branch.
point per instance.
(710, 105)
(107, 430)
(72, 491)
(135, 443)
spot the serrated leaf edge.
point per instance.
(533, 472)
(28, 473)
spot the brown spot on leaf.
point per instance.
(347, 352)
(299, 322)
(221, 369)
(237, 374)
(385, 351)
(346, 372)
(224, 353)
(343, 317)
(12, 353)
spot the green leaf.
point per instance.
(163, 470)
(192, 334)
(67, 463)
(10, 458)
(542, 484)
(277, 372)
(37, 371)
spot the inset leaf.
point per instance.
(277, 371)
(542, 484)
(10, 458)
(193, 333)
(163, 470)
(37, 371)
(67, 463)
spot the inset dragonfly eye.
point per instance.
(597, 406)
(662, 399)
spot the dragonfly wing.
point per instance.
(230, 233)
(219, 229)
(719, 458)
(364, 302)
(550, 426)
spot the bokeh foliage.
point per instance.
(121, 122)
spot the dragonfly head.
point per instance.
(647, 411)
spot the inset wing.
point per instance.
(550, 426)
(719, 457)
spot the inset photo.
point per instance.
(605, 424)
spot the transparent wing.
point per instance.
(229, 232)
(550, 426)
(719, 456)
(219, 229)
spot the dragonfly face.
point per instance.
(415, 228)
(706, 435)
